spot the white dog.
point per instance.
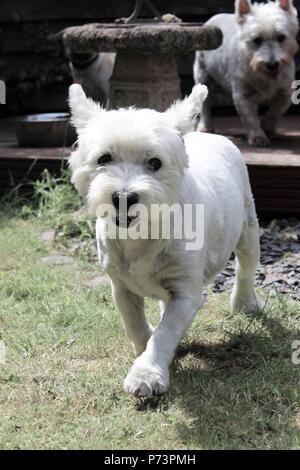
(149, 158)
(255, 64)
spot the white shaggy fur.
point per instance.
(240, 67)
(196, 169)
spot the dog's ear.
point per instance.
(242, 8)
(82, 108)
(183, 114)
(286, 5)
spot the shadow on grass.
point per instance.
(240, 393)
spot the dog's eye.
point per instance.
(153, 164)
(258, 41)
(104, 160)
(281, 37)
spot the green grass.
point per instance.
(233, 384)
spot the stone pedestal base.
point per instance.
(145, 81)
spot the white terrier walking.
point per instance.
(255, 64)
(145, 158)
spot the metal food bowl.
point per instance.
(45, 130)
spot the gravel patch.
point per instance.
(280, 259)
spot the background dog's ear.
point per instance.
(242, 8)
(82, 108)
(183, 114)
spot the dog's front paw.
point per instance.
(146, 380)
(258, 139)
(269, 127)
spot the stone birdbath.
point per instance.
(145, 72)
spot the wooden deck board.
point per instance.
(13, 152)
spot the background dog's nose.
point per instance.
(273, 66)
(129, 198)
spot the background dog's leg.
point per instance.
(149, 374)
(201, 76)
(248, 111)
(278, 107)
(131, 307)
(205, 124)
(247, 258)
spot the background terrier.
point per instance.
(254, 65)
(147, 158)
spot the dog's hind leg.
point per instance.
(131, 307)
(247, 258)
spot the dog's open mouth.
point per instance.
(125, 221)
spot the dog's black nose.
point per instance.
(273, 66)
(124, 197)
